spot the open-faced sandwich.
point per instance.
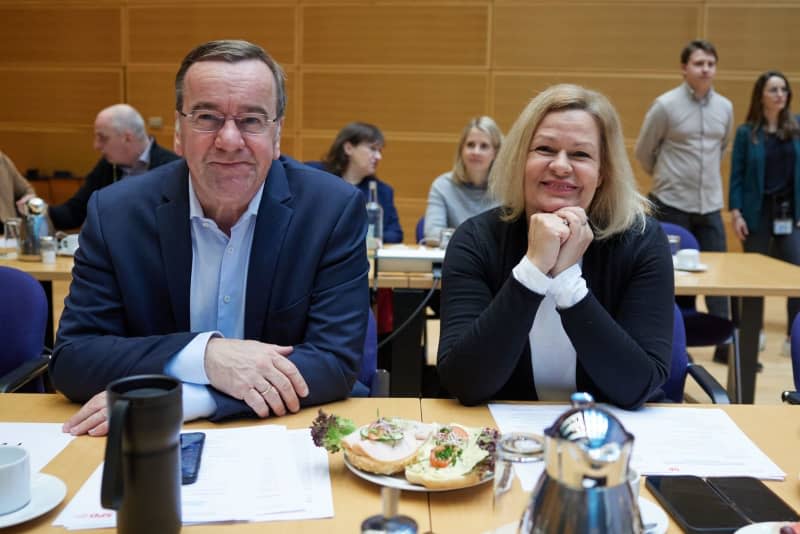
(384, 446)
(454, 457)
(432, 455)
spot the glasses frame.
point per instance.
(236, 120)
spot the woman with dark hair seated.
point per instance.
(568, 284)
(354, 155)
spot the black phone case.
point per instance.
(734, 520)
(753, 499)
(191, 453)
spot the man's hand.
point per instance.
(21, 203)
(580, 238)
(546, 233)
(740, 226)
(258, 373)
(91, 419)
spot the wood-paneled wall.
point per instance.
(417, 68)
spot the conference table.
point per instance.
(468, 510)
(745, 277)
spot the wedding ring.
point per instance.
(262, 393)
(565, 222)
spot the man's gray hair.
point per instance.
(232, 51)
(125, 118)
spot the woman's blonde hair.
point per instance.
(483, 124)
(617, 205)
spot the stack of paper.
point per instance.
(667, 441)
(263, 473)
(43, 441)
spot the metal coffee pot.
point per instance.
(35, 225)
(584, 488)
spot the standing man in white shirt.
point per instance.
(681, 143)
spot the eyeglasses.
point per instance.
(210, 121)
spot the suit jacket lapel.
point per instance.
(274, 215)
(174, 233)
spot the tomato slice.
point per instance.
(436, 461)
(459, 432)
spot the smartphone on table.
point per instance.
(191, 453)
(753, 499)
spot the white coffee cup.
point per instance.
(687, 258)
(69, 244)
(15, 478)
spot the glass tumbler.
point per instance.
(8, 245)
(512, 449)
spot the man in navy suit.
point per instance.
(240, 272)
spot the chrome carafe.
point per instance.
(35, 225)
(584, 487)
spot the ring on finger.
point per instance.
(266, 390)
(565, 222)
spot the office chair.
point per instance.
(702, 329)
(371, 381)
(793, 397)
(23, 359)
(420, 230)
(681, 367)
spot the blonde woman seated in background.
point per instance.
(568, 285)
(457, 195)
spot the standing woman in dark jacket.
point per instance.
(568, 285)
(354, 155)
(765, 176)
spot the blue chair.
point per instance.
(420, 231)
(702, 329)
(793, 397)
(23, 315)
(681, 367)
(371, 381)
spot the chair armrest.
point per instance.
(24, 373)
(380, 384)
(791, 397)
(709, 384)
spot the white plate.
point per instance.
(652, 514)
(772, 527)
(399, 480)
(47, 492)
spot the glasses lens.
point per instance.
(207, 121)
(252, 123)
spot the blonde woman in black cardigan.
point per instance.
(568, 285)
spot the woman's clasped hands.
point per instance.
(558, 240)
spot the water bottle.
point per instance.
(374, 219)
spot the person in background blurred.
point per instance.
(354, 155)
(764, 196)
(568, 284)
(457, 195)
(119, 134)
(14, 189)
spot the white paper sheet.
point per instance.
(43, 441)
(244, 475)
(668, 441)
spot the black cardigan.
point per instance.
(621, 330)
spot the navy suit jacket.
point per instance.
(127, 311)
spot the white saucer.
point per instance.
(47, 492)
(771, 527)
(699, 268)
(652, 514)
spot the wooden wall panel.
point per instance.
(591, 37)
(60, 35)
(631, 96)
(395, 35)
(166, 34)
(69, 150)
(756, 38)
(57, 96)
(151, 90)
(738, 91)
(410, 102)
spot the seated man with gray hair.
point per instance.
(119, 134)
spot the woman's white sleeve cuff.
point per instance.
(531, 277)
(569, 287)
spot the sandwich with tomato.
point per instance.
(454, 456)
(385, 446)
